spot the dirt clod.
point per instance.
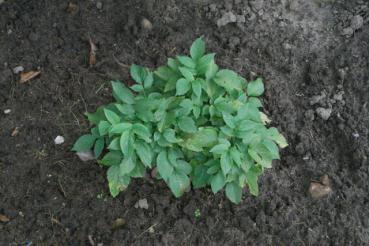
(72, 8)
(324, 113)
(118, 223)
(4, 218)
(320, 189)
(228, 17)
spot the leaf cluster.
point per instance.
(191, 120)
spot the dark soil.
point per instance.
(301, 48)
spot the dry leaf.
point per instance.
(24, 77)
(92, 58)
(15, 132)
(72, 8)
(4, 218)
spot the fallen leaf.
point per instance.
(4, 218)
(118, 223)
(24, 77)
(72, 8)
(92, 58)
(325, 180)
(15, 132)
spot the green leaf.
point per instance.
(173, 64)
(186, 61)
(187, 124)
(119, 128)
(217, 182)
(137, 88)
(220, 148)
(126, 143)
(211, 71)
(236, 156)
(249, 112)
(182, 87)
(186, 73)
(197, 49)
(255, 102)
(204, 62)
(229, 120)
(255, 88)
(234, 192)
(272, 147)
(169, 135)
(196, 87)
(165, 169)
(200, 177)
(178, 183)
(121, 93)
(114, 144)
(226, 163)
(112, 158)
(204, 138)
(127, 165)
(149, 80)
(126, 109)
(228, 79)
(145, 153)
(213, 169)
(84, 143)
(165, 73)
(261, 155)
(138, 73)
(96, 117)
(182, 167)
(112, 117)
(117, 182)
(103, 127)
(99, 146)
(142, 131)
(274, 135)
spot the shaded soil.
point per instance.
(302, 49)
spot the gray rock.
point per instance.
(228, 17)
(241, 19)
(18, 69)
(99, 5)
(357, 22)
(324, 113)
(317, 99)
(142, 203)
(348, 31)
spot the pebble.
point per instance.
(310, 115)
(18, 69)
(228, 17)
(59, 140)
(356, 135)
(99, 5)
(241, 19)
(357, 22)
(142, 203)
(86, 155)
(348, 31)
(7, 111)
(316, 99)
(324, 113)
(146, 24)
(320, 189)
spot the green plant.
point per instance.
(193, 122)
(197, 213)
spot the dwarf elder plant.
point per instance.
(192, 121)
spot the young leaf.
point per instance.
(226, 163)
(138, 73)
(182, 87)
(148, 80)
(169, 135)
(197, 49)
(229, 120)
(126, 143)
(217, 182)
(178, 183)
(112, 158)
(186, 73)
(84, 143)
(204, 62)
(228, 79)
(255, 88)
(137, 88)
(103, 127)
(186, 61)
(142, 131)
(187, 124)
(114, 144)
(99, 146)
(236, 156)
(234, 192)
(119, 128)
(145, 153)
(196, 87)
(112, 117)
(165, 169)
(122, 93)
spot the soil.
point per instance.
(313, 56)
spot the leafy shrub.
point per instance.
(193, 122)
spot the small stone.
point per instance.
(310, 115)
(339, 96)
(356, 135)
(18, 69)
(357, 22)
(348, 31)
(118, 223)
(146, 24)
(318, 190)
(213, 7)
(99, 5)
(228, 17)
(7, 111)
(59, 140)
(241, 19)
(142, 203)
(86, 155)
(324, 113)
(317, 99)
